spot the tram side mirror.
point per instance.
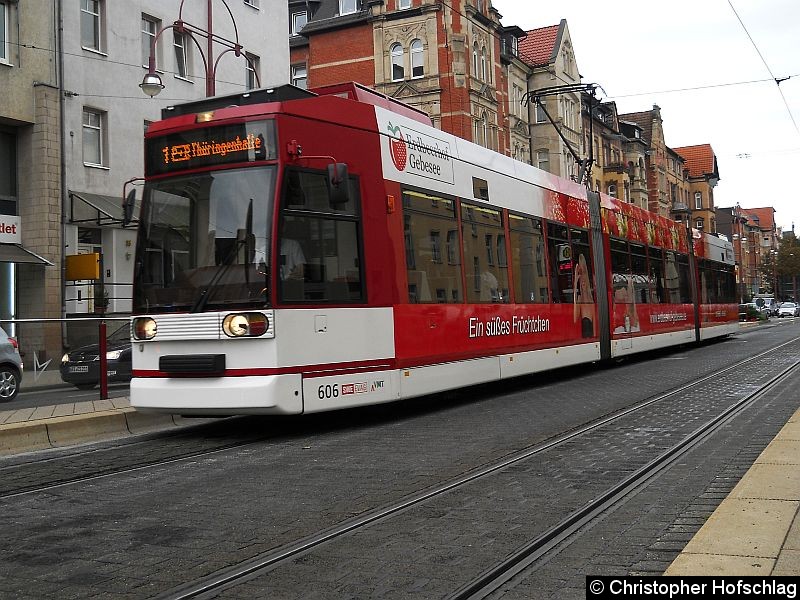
(338, 184)
(128, 204)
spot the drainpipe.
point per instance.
(63, 175)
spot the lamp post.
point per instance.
(152, 84)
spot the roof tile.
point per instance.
(537, 47)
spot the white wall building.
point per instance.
(106, 47)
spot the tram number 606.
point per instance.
(326, 392)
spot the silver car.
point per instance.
(10, 367)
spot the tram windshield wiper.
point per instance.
(242, 241)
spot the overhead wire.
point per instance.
(763, 60)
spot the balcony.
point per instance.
(617, 167)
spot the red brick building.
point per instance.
(447, 59)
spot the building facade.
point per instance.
(445, 59)
(756, 242)
(30, 165)
(701, 163)
(549, 53)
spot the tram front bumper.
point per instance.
(219, 396)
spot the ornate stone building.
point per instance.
(703, 176)
(443, 58)
(549, 53)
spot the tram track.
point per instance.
(60, 468)
(494, 578)
(497, 575)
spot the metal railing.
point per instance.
(43, 341)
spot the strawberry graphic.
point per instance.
(397, 148)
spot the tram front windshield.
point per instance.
(204, 242)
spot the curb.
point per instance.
(58, 432)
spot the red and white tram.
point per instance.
(301, 253)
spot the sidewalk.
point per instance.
(756, 529)
(39, 428)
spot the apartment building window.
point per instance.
(482, 131)
(347, 6)
(92, 25)
(417, 59)
(475, 60)
(94, 137)
(299, 20)
(698, 224)
(541, 117)
(484, 71)
(543, 159)
(150, 27)
(300, 76)
(698, 200)
(401, 4)
(398, 69)
(181, 56)
(251, 71)
(4, 18)
(8, 173)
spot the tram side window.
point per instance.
(707, 293)
(319, 250)
(717, 282)
(528, 259)
(433, 258)
(621, 280)
(672, 285)
(487, 274)
(579, 241)
(657, 284)
(641, 276)
(684, 279)
(560, 262)
(729, 283)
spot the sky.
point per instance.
(695, 59)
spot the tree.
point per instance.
(768, 272)
(788, 264)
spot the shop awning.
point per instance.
(95, 208)
(15, 253)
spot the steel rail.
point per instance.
(494, 578)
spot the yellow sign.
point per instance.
(83, 266)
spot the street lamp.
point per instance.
(152, 84)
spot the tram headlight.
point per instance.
(245, 324)
(144, 328)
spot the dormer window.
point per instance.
(299, 20)
(347, 6)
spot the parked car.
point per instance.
(752, 312)
(10, 367)
(789, 309)
(81, 367)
